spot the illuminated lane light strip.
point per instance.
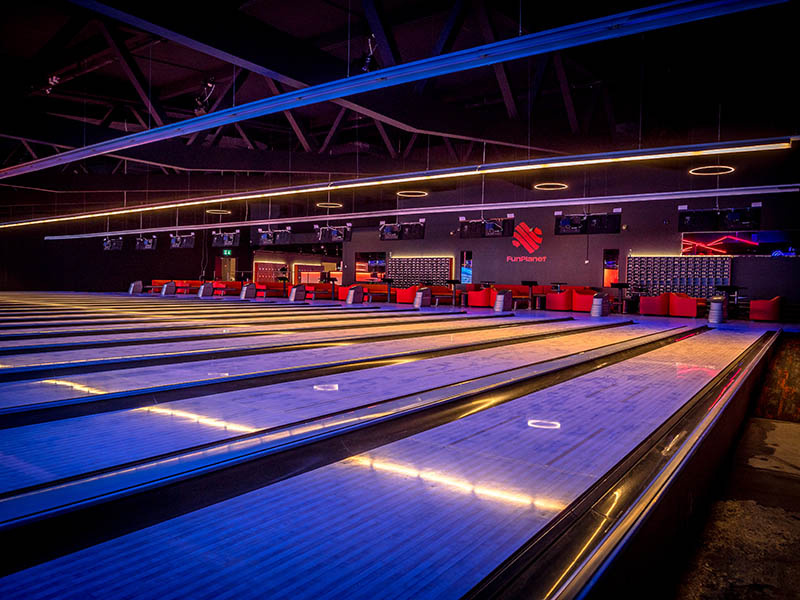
(782, 188)
(449, 173)
(201, 419)
(455, 483)
(78, 387)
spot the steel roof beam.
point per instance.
(604, 28)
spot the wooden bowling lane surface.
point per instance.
(427, 516)
(48, 451)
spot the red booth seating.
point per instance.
(765, 310)
(559, 300)
(654, 305)
(272, 289)
(582, 300)
(484, 297)
(158, 284)
(223, 288)
(407, 295)
(683, 305)
(319, 290)
(187, 286)
(342, 291)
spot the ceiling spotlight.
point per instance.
(329, 205)
(552, 185)
(412, 194)
(217, 211)
(203, 97)
(712, 170)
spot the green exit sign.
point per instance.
(227, 252)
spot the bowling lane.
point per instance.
(286, 326)
(47, 451)
(406, 326)
(46, 389)
(425, 517)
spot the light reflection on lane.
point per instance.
(455, 483)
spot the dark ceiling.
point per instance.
(72, 77)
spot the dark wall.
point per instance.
(650, 228)
(28, 262)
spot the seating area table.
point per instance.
(453, 283)
(620, 287)
(557, 285)
(731, 289)
(283, 279)
(530, 284)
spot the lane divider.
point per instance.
(98, 365)
(27, 414)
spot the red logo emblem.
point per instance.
(528, 238)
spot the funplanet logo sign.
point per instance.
(530, 240)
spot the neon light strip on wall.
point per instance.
(440, 174)
(462, 208)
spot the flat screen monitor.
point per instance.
(412, 231)
(225, 239)
(177, 242)
(570, 224)
(610, 223)
(391, 231)
(471, 229)
(110, 244)
(143, 243)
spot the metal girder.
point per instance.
(499, 70)
(447, 37)
(605, 28)
(63, 134)
(225, 96)
(410, 145)
(450, 150)
(386, 140)
(132, 71)
(301, 134)
(264, 50)
(566, 93)
(387, 49)
(332, 131)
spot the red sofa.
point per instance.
(484, 297)
(582, 300)
(559, 300)
(765, 310)
(342, 291)
(683, 305)
(654, 305)
(406, 295)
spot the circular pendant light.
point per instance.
(217, 211)
(550, 185)
(412, 194)
(712, 170)
(329, 205)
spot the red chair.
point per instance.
(559, 300)
(219, 288)
(765, 310)
(654, 305)
(342, 291)
(683, 305)
(407, 295)
(484, 297)
(582, 300)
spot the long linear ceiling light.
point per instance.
(463, 208)
(605, 28)
(603, 158)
